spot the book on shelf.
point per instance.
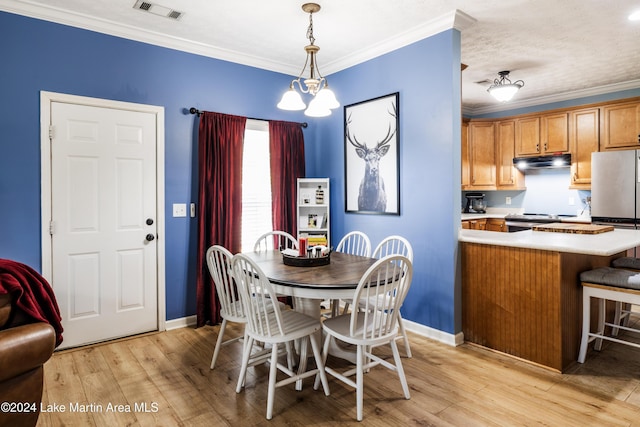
(315, 220)
(315, 239)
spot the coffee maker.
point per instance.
(475, 203)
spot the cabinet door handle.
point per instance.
(538, 148)
(545, 146)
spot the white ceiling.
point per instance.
(561, 49)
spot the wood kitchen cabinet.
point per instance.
(579, 130)
(487, 150)
(465, 178)
(496, 224)
(620, 126)
(482, 155)
(474, 224)
(555, 133)
(489, 224)
(539, 135)
(584, 130)
(527, 136)
(508, 176)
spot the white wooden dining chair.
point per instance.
(354, 243)
(393, 245)
(219, 264)
(274, 327)
(396, 245)
(375, 325)
(275, 240)
(231, 309)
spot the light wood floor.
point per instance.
(461, 386)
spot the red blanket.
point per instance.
(31, 293)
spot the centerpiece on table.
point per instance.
(307, 256)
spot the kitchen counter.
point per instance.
(603, 244)
(472, 216)
(521, 292)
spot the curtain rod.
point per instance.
(197, 112)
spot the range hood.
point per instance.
(553, 161)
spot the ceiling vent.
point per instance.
(157, 9)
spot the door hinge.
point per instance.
(52, 227)
(51, 131)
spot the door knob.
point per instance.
(149, 221)
(150, 237)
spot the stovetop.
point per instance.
(534, 217)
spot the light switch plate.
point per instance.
(179, 210)
(193, 210)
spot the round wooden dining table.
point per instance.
(309, 286)
(336, 280)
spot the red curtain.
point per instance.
(220, 141)
(286, 149)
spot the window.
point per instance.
(256, 183)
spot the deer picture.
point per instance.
(371, 195)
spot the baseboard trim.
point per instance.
(181, 322)
(425, 331)
(434, 334)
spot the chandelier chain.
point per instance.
(310, 29)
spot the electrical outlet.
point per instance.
(572, 201)
(507, 200)
(179, 210)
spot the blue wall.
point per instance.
(42, 56)
(427, 76)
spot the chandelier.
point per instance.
(503, 89)
(324, 99)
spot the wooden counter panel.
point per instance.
(524, 302)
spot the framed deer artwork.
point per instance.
(372, 157)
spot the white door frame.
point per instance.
(46, 98)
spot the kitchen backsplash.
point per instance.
(547, 192)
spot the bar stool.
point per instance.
(624, 311)
(606, 283)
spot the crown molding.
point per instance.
(454, 19)
(92, 23)
(549, 99)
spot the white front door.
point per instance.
(104, 259)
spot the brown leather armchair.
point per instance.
(24, 348)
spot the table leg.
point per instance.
(311, 307)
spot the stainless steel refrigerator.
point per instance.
(615, 188)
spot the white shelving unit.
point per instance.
(313, 214)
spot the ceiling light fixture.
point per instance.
(324, 99)
(503, 89)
